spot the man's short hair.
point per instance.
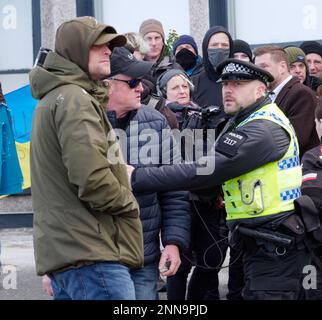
(277, 53)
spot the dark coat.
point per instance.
(168, 212)
(163, 64)
(313, 82)
(207, 91)
(298, 102)
(312, 175)
(312, 180)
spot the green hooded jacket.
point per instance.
(84, 209)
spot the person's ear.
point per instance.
(109, 85)
(261, 90)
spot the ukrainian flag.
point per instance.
(10, 173)
(22, 106)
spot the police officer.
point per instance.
(257, 162)
(312, 186)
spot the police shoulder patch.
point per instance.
(230, 143)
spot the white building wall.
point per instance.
(278, 21)
(127, 16)
(185, 16)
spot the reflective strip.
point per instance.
(290, 194)
(296, 150)
(309, 177)
(268, 114)
(261, 114)
(289, 163)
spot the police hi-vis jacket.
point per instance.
(256, 158)
(271, 188)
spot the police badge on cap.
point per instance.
(234, 69)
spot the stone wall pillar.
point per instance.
(199, 20)
(53, 14)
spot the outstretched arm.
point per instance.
(260, 142)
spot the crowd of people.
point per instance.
(119, 201)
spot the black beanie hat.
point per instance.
(311, 47)
(242, 46)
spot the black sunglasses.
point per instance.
(131, 83)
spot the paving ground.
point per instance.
(17, 252)
(17, 259)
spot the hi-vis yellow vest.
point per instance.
(272, 188)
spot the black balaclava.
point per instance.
(186, 59)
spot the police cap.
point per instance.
(234, 69)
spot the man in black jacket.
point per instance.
(216, 47)
(257, 162)
(144, 137)
(312, 186)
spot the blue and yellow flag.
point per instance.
(10, 172)
(22, 106)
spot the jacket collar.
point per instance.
(120, 123)
(245, 113)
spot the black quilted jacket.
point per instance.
(164, 213)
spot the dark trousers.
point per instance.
(272, 276)
(210, 246)
(208, 226)
(316, 294)
(235, 275)
(177, 284)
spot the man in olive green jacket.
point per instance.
(87, 231)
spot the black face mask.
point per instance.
(216, 56)
(186, 59)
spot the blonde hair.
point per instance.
(137, 43)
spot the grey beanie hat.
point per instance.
(168, 75)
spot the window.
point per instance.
(19, 35)
(277, 21)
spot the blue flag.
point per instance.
(22, 106)
(10, 174)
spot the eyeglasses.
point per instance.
(131, 83)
